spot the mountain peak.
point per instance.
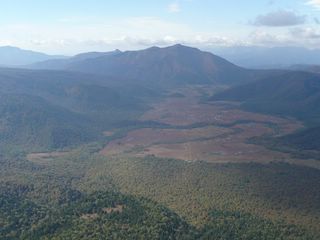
(180, 46)
(172, 47)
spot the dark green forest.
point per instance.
(69, 197)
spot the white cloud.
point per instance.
(138, 33)
(130, 33)
(306, 33)
(280, 18)
(266, 38)
(174, 7)
(298, 37)
(314, 3)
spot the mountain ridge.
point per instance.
(14, 56)
(268, 57)
(169, 65)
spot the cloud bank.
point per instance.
(280, 18)
(314, 3)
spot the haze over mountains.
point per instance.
(248, 57)
(69, 62)
(269, 57)
(13, 56)
(173, 65)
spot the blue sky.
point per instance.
(72, 26)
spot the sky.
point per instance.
(73, 26)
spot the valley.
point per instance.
(195, 130)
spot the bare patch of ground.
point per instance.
(188, 111)
(45, 157)
(139, 140)
(108, 133)
(116, 209)
(87, 217)
(216, 151)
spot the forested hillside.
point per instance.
(224, 200)
(295, 94)
(49, 110)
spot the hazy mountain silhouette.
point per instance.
(13, 56)
(59, 64)
(265, 57)
(174, 64)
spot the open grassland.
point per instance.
(193, 130)
(191, 110)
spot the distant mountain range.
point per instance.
(170, 65)
(266, 58)
(12, 56)
(248, 57)
(67, 63)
